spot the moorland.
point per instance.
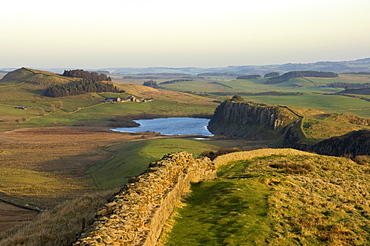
(57, 154)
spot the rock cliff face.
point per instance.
(260, 121)
(352, 144)
(251, 121)
(136, 215)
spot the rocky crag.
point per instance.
(351, 144)
(136, 215)
(284, 126)
(252, 121)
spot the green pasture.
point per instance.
(89, 108)
(131, 159)
(86, 109)
(224, 211)
(275, 200)
(253, 85)
(198, 86)
(330, 103)
(259, 85)
(103, 111)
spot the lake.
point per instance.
(171, 126)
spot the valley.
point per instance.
(59, 149)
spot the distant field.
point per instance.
(330, 103)
(89, 109)
(259, 85)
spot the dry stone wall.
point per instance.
(136, 215)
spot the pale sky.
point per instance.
(181, 33)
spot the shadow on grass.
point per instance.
(223, 212)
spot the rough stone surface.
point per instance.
(251, 120)
(136, 215)
(352, 144)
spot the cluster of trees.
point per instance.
(348, 85)
(219, 74)
(79, 73)
(362, 73)
(80, 87)
(297, 74)
(272, 74)
(255, 76)
(174, 81)
(150, 83)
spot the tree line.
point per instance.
(80, 87)
(151, 83)
(254, 76)
(297, 74)
(348, 85)
(79, 73)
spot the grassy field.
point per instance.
(328, 103)
(277, 200)
(131, 159)
(89, 109)
(259, 85)
(302, 92)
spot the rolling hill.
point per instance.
(33, 76)
(64, 144)
(25, 88)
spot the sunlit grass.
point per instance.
(277, 199)
(131, 159)
(223, 212)
(25, 183)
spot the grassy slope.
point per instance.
(278, 200)
(131, 159)
(259, 85)
(25, 88)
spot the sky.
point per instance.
(179, 33)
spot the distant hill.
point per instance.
(353, 66)
(37, 77)
(359, 91)
(298, 74)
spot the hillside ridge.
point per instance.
(37, 77)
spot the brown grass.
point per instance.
(315, 200)
(59, 226)
(11, 215)
(45, 166)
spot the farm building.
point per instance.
(112, 99)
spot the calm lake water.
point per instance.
(171, 126)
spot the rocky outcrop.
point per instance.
(352, 144)
(251, 120)
(136, 215)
